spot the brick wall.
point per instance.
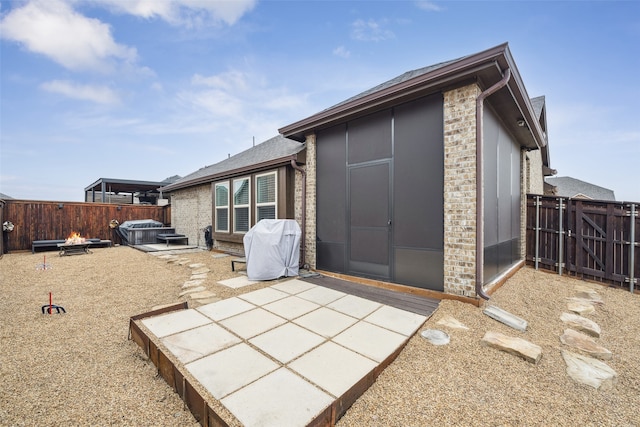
(310, 232)
(191, 212)
(535, 178)
(460, 190)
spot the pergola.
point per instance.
(109, 186)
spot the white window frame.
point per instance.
(241, 206)
(275, 192)
(221, 207)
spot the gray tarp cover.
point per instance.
(272, 249)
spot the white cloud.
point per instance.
(342, 52)
(371, 30)
(98, 94)
(234, 93)
(188, 13)
(52, 28)
(428, 6)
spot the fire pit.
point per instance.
(74, 245)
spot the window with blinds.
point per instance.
(241, 205)
(222, 206)
(266, 196)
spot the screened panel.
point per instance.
(418, 175)
(369, 138)
(331, 191)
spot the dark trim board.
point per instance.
(410, 302)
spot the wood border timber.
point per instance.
(401, 288)
(504, 277)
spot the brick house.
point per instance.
(421, 180)
(386, 185)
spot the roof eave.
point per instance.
(445, 75)
(230, 173)
(492, 61)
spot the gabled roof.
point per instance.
(574, 188)
(485, 68)
(273, 152)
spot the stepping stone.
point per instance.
(581, 323)
(436, 336)
(200, 270)
(505, 317)
(584, 343)
(192, 290)
(197, 265)
(451, 322)
(589, 371)
(184, 261)
(172, 259)
(198, 276)
(581, 307)
(202, 294)
(216, 256)
(588, 294)
(166, 256)
(191, 283)
(513, 345)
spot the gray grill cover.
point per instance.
(272, 249)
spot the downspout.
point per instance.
(303, 246)
(480, 181)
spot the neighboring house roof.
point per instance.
(274, 151)
(5, 197)
(574, 188)
(512, 103)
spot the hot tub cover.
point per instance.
(272, 249)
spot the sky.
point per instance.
(148, 89)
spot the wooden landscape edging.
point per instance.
(428, 293)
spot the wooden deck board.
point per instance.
(414, 303)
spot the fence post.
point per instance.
(560, 237)
(537, 252)
(632, 248)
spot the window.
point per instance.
(241, 208)
(222, 206)
(266, 196)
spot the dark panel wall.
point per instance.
(411, 136)
(370, 138)
(501, 197)
(331, 194)
(418, 213)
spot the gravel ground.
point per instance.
(80, 369)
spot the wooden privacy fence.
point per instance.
(595, 240)
(43, 220)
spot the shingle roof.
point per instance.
(272, 149)
(538, 104)
(5, 197)
(571, 187)
(399, 79)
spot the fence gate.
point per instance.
(591, 239)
